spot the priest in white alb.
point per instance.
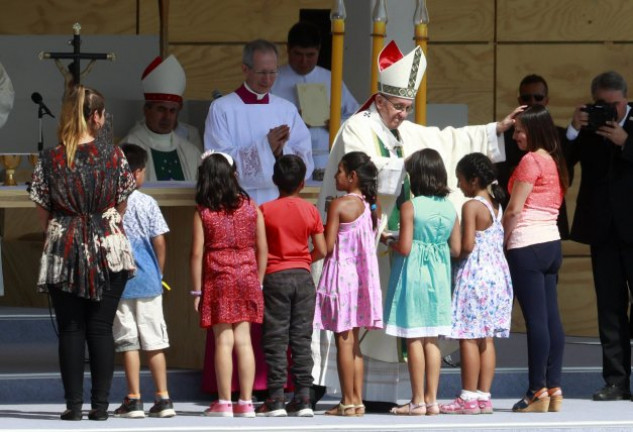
(170, 156)
(304, 45)
(256, 127)
(381, 130)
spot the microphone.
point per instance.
(216, 94)
(37, 98)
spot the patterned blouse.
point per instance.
(85, 239)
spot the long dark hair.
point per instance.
(541, 132)
(477, 165)
(217, 187)
(367, 174)
(427, 173)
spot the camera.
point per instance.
(599, 114)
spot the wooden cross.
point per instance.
(73, 73)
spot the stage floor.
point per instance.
(576, 414)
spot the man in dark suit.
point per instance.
(533, 90)
(603, 219)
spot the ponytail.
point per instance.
(367, 174)
(77, 108)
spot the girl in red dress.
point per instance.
(228, 262)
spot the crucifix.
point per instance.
(73, 73)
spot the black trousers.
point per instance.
(82, 321)
(534, 271)
(289, 299)
(612, 264)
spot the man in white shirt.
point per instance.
(304, 44)
(256, 127)
(170, 157)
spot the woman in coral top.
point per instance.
(537, 187)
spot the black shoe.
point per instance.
(98, 414)
(612, 392)
(70, 414)
(300, 407)
(130, 408)
(272, 408)
(162, 408)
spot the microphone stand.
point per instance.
(41, 112)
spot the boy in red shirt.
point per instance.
(289, 291)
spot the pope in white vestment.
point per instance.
(238, 124)
(286, 87)
(388, 142)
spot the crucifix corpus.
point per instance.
(72, 73)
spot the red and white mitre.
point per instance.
(164, 80)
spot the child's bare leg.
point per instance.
(359, 370)
(433, 359)
(471, 365)
(158, 367)
(345, 364)
(223, 359)
(245, 359)
(488, 363)
(416, 364)
(132, 366)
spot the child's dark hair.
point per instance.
(217, 187)
(367, 174)
(136, 156)
(288, 173)
(427, 173)
(477, 165)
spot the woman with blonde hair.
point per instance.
(80, 188)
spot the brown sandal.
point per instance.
(342, 410)
(410, 409)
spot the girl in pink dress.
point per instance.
(348, 295)
(228, 262)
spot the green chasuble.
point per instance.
(167, 165)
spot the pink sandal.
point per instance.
(410, 409)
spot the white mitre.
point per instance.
(400, 75)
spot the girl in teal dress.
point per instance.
(418, 304)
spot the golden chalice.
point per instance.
(10, 163)
(33, 157)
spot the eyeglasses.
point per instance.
(264, 72)
(526, 97)
(401, 107)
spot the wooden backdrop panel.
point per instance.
(564, 20)
(210, 67)
(459, 73)
(459, 20)
(227, 20)
(58, 16)
(564, 67)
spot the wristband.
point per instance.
(195, 293)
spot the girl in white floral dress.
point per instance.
(482, 296)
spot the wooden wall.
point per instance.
(478, 52)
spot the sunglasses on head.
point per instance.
(527, 97)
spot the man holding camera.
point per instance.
(602, 141)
